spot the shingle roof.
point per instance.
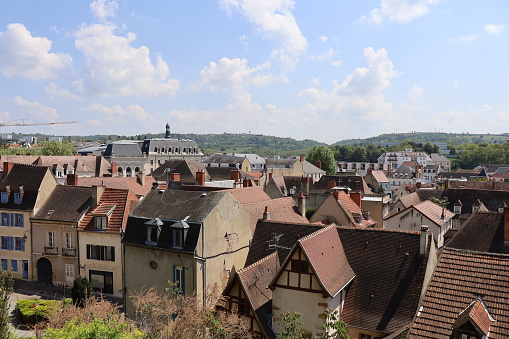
(186, 168)
(355, 182)
(389, 271)
(459, 278)
(483, 231)
(130, 183)
(123, 203)
(379, 176)
(325, 255)
(66, 203)
(247, 195)
(434, 212)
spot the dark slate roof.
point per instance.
(66, 203)
(426, 193)
(355, 182)
(483, 231)
(492, 168)
(223, 173)
(491, 199)
(178, 204)
(274, 162)
(270, 235)
(124, 148)
(149, 144)
(309, 168)
(389, 271)
(461, 277)
(136, 233)
(186, 168)
(220, 158)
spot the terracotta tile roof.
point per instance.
(434, 212)
(482, 185)
(247, 195)
(460, 277)
(281, 209)
(355, 182)
(122, 200)
(413, 187)
(66, 203)
(379, 176)
(389, 270)
(410, 199)
(483, 231)
(104, 209)
(130, 183)
(409, 163)
(325, 255)
(96, 164)
(353, 210)
(478, 314)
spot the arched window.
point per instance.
(128, 172)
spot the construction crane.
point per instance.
(10, 124)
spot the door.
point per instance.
(69, 275)
(44, 271)
(25, 269)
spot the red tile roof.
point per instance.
(353, 210)
(434, 212)
(130, 183)
(459, 278)
(379, 176)
(476, 313)
(327, 258)
(281, 209)
(249, 194)
(123, 200)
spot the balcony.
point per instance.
(50, 250)
(69, 252)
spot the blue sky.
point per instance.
(322, 70)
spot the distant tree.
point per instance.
(325, 155)
(57, 148)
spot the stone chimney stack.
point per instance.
(266, 214)
(302, 204)
(305, 182)
(357, 198)
(200, 178)
(141, 178)
(114, 169)
(423, 240)
(8, 167)
(97, 193)
(72, 179)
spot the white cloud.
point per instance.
(55, 93)
(275, 21)
(494, 29)
(118, 115)
(114, 67)
(400, 11)
(103, 9)
(36, 110)
(325, 56)
(315, 81)
(5, 116)
(323, 39)
(233, 75)
(94, 123)
(455, 83)
(467, 38)
(415, 92)
(337, 63)
(22, 55)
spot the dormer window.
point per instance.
(102, 216)
(18, 197)
(457, 209)
(179, 232)
(101, 222)
(4, 197)
(153, 231)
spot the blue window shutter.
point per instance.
(14, 265)
(23, 244)
(21, 221)
(4, 264)
(10, 245)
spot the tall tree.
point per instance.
(6, 286)
(325, 156)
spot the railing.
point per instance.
(69, 252)
(51, 250)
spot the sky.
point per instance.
(325, 70)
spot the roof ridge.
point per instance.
(317, 232)
(488, 254)
(247, 268)
(376, 229)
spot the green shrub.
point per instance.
(32, 311)
(81, 291)
(96, 329)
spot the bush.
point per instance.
(81, 291)
(32, 311)
(96, 328)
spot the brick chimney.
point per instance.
(318, 164)
(97, 193)
(370, 171)
(302, 158)
(246, 183)
(200, 178)
(331, 184)
(389, 169)
(266, 214)
(141, 178)
(114, 169)
(302, 204)
(493, 185)
(423, 244)
(304, 184)
(235, 175)
(335, 193)
(357, 198)
(72, 179)
(175, 176)
(8, 167)
(163, 185)
(418, 184)
(446, 184)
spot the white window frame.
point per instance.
(18, 197)
(457, 209)
(4, 197)
(51, 237)
(101, 222)
(69, 241)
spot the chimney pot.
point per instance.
(266, 213)
(423, 239)
(302, 204)
(200, 177)
(114, 169)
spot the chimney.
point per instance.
(8, 167)
(302, 204)
(446, 184)
(270, 176)
(266, 214)
(235, 175)
(389, 169)
(335, 193)
(302, 158)
(246, 183)
(318, 164)
(141, 178)
(506, 229)
(357, 198)
(155, 185)
(114, 169)
(175, 176)
(72, 179)
(493, 185)
(163, 185)
(200, 178)
(97, 193)
(423, 239)
(418, 184)
(370, 171)
(331, 184)
(304, 184)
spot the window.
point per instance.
(5, 265)
(14, 265)
(18, 222)
(12, 219)
(178, 238)
(17, 198)
(19, 244)
(457, 209)
(300, 266)
(179, 279)
(101, 222)
(4, 197)
(102, 281)
(98, 252)
(51, 239)
(152, 235)
(7, 243)
(69, 241)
